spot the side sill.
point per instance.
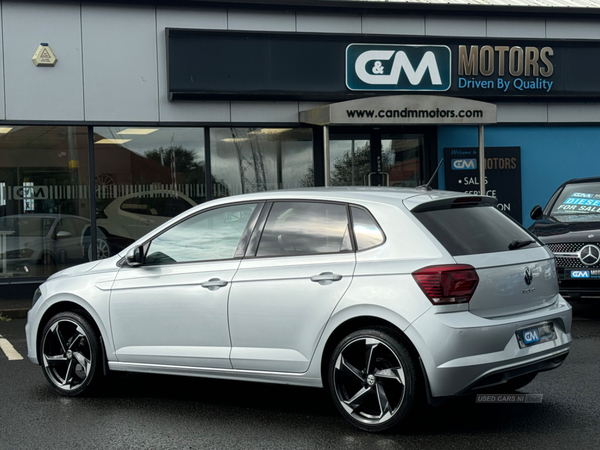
(226, 374)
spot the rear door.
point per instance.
(286, 289)
(516, 272)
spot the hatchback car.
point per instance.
(570, 226)
(132, 216)
(36, 244)
(384, 296)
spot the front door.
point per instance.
(381, 156)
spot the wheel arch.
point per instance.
(69, 306)
(358, 323)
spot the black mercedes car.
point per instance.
(570, 226)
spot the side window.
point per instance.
(211, 235)
(136, 205)
(367, 232)
(304, 228)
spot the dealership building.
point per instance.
(116, 116)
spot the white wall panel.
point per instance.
(120, 63)
(574, 112)
(518, 28)
(328, 23)
(405, 25)
(42, 93)
(572, 29)
(261, 21)
(455, 26)
(522, 112)
(264, 112)
(186, 111)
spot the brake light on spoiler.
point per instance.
(447, 284)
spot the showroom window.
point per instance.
(247, 160)
(144, 177)
(305, 228)
(44, 200)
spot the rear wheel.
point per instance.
(372, 379)
(70, 354)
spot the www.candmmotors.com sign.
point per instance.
(398, 67)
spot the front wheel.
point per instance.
(70, 354)
(372, 379)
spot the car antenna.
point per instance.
(427, 187)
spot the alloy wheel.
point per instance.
(369, 381)
(67, 355)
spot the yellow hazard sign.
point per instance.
(44, 56)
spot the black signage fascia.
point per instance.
(244, 65)
(502, 175)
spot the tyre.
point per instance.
(70, 354)
(372, 379)
(102, 248)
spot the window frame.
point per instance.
(379, 227)
(242, 244)
(260, 228)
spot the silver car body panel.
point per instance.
(163, 314)
(280, 321)
(278, 297)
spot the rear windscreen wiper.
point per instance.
(518, 244)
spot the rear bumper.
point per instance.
(462, 352)
(504, 375)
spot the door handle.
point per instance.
(213, 284)
(326, 278)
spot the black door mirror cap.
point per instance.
(536, 212)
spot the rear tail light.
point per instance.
(450, 284)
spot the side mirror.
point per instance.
(135, 257)
(536, 213)
(63, 234)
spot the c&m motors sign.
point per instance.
(383, 67)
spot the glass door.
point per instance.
(380, 156)
(403, 154)
(350, 159)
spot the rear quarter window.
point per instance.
(474, 229)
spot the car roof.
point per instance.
(390, 195)
(582, 180)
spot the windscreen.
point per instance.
(578, 202)
(475, 229)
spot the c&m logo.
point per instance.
(30, 192)
(398, 67)
(531, 336)
(580, 274)
(464, 164)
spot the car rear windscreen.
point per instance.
(474, 229)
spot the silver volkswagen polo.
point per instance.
(384, 296)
